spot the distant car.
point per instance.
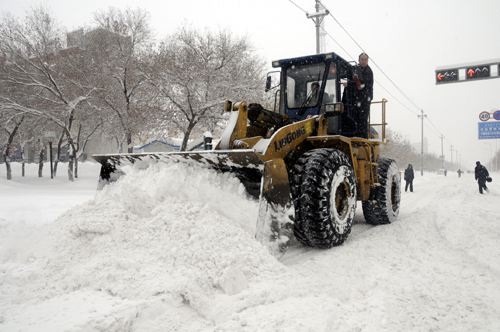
(441, 171)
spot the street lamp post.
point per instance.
(491, 159)
(422, 155)
(496, 155)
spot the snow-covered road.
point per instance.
(172, 249)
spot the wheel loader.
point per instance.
(303, 159)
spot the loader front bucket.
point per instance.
(245, 164)
(266, 180)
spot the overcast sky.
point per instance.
(406, 40)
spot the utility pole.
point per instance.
(318, 19)
(422, 155)
(451, 149)
(442, 152)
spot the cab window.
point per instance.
(299, 80)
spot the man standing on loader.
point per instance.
(363, 79)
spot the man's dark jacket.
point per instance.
(409, 174)
(481, 172)
(365, 76)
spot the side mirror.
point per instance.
(268, 83)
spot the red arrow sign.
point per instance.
(440, 76)
(471, 72)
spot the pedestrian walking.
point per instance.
(481, 173)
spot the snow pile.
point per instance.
(169, 229)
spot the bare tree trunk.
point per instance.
(7, 164)
(23, 160)
(119, 145)
(58, 154)
(70, 168)
(187, 133)
(130, 148)
(75, 160)
(40, 163)
(7, 148)
(76, 168)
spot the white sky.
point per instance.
(407, 40)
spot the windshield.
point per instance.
(303, 84)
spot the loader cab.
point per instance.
(311, 85)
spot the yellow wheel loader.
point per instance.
(302, 160)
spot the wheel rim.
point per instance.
(341, 200)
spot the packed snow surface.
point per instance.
(172, 248)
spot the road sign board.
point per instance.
(467, 72)
(496, 115)
(489, 130)
(484, 116)
(477, 72)
(446, 76)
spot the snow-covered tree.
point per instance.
(399, 149)
(194, 72)
(45, 78)
(115, 47)
(9, 126)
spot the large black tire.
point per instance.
(382, 207)
(324, 193)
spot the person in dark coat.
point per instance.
(363, 79)
(409, 176)
(481, 173)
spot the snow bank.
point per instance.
(170, 229)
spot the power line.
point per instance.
(343, 28)
(435, 127)
(336, 42)
(326, 32)
(373, 61)
(297, 6)
(390, 80)
(376, 65)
